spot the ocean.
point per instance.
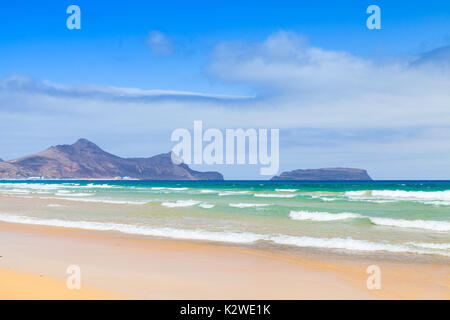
(408, 218)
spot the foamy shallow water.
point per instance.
(410, 218)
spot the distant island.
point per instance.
(324, 174)
(85, 160)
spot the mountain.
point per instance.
(325, 174)
(85, 160)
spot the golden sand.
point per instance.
(34, 260)
(16, 285)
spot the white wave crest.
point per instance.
(286, 190)
(233, 193)
(15, 191)
(248, 205)
(208, 191)
(347, 244)
(197, 234)
(68, 194)
(167, 188)
(98, 200)
(328, 199)
(274, 195)
(180, 203)
(381, 196)
(101, 186)
(356, 193)
(322, 216)
(30, 186)
(438, 246)
(234, 237)
(439, 203)
(420, 195)
(206, 205)
(416, 224)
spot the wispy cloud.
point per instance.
(26, 85)
(159, 43)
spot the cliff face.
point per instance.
(325, 174)
(85, 160)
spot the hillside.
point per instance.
(85, 160)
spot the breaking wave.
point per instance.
(348, 244)
(167, 188)
(98, 200)
(438, 246)
(274, 195)
(399, 223)
(380, 196)
(180, 203)
(420, 195)
(416, 224)
(322, 216)
(233, 193)
(206, 205)
(248, 205)
(234, 237)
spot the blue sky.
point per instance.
(110, 48)
(207, 45)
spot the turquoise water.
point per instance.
(400, 217)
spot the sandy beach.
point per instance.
(34, 260)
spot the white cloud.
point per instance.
(159, 43)
(326, 88)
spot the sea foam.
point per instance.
(322, 216)
(427, 197)
(180, 203)
(66, 193)
(274, 195)
(347, 244)
(75, 199)
(421, 195)
(206, 205)
(196, 234)
(438, 246)
(233, 193)
(168, 188)
(233, 237)
(248, 205)
(415, 224)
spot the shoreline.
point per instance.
(18, 203)
(123, 265)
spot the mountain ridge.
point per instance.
(85, 160)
